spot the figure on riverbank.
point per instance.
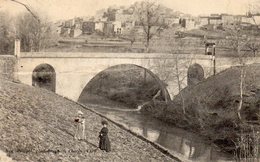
(80, 128)
(104, 143)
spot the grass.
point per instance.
(247, 146)
(38, 125)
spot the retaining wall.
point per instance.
(7, 67)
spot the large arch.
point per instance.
(162, 86)
(195, 74)
(44, 76)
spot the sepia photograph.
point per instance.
(129, 80)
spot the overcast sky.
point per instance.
(64, 9)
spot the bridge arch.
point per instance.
(164, 94)
(44, 76)
(195, 74)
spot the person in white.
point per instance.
(80, 128)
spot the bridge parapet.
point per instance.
(111, 55)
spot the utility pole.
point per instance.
(214, 59)
(28, 9)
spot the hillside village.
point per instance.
(121, 21)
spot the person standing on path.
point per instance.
(104, 143)
(80, 128)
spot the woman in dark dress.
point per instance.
(104, 143)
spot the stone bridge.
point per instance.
(71, 72)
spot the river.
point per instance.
(182, 144)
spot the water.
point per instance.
(184, 145)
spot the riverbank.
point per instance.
(37, 125)
(183, 144)
(211, 109)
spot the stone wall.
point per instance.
(7, 67)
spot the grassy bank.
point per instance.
(211, 107)
(37, 125)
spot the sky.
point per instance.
(65, 9)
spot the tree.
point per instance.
(35, 35)
(173, 69)
(130, 36)
(35, 32)
(252, 46)
(243, 45)
(7, 34)
(150, 16)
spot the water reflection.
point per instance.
(183, 144)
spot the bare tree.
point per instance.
(151, 17)
(35, 32)
(7, 33)
(253, 46)
(174, 69)
(130, 36)
(243, 46)
(35, 35)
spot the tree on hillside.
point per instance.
(150, 16)
(244, 47)
(130, 36)
(253, 46)
(7, 34)
(34, 31)
(174, 69)
(35, 35)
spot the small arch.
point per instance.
(44, 76)
(195, 74)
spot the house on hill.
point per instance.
(88, 27)
(117, 27)
(99, 26)
(228, 20)
(108, 28)
(215, 19)
(210, 22)
(69, 23)
(256, 19)
(187, 23)
(75, 32)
